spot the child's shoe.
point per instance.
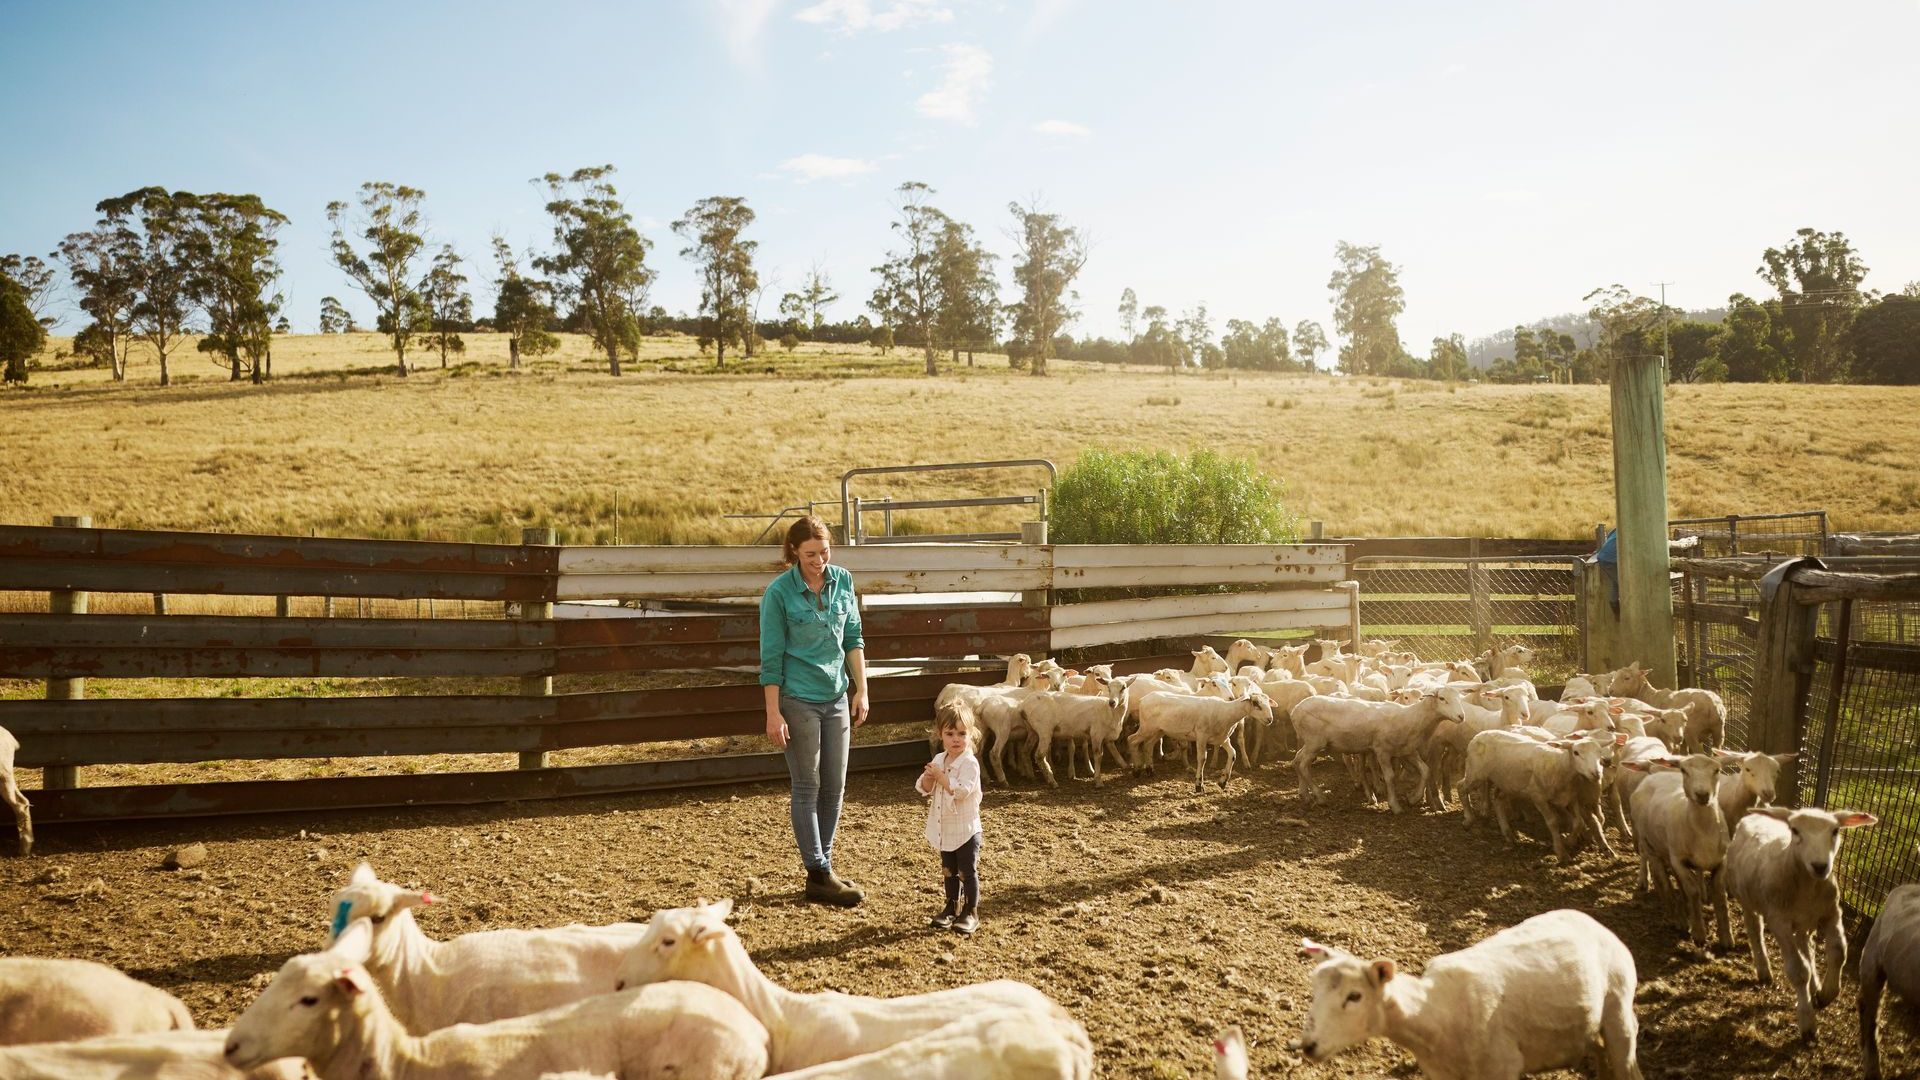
(942, 921)
(967, 923)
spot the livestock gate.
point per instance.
(76, 610)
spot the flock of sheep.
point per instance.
(1556, 988)
(680, 997)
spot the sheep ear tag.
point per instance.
(340, 911)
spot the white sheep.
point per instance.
(1291, 659)
(1333, 662)
(1753, 785)
(1506, 659)
(10, 791)
(1243, 651)
(1706, 725)
(1780, 866)
(1539, 995)
(999, 716)
(1891, 957)
(1205, 722)
(1386, 729)
(1593, 714)
(995, 1044)
(477, 977)
(1019, 673)
(1558, 777)
(696, 944)
(1678, 829)
(1097, 720)
(1230, 1054)
(1377, 647)
(1447, 749)
(49, 1000)
(325, 1007)
(170, 1055)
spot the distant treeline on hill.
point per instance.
(163, 268)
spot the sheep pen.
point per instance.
(1152, 914)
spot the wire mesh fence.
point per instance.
(1800, 532)
(1861, 743)
(1450, 609)
(1717, 633)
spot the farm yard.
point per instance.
(1152, 914)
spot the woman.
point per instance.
(813, 669)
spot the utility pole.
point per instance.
(1666, 350)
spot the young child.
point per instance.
(952, 778)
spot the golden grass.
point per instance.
(336, 447)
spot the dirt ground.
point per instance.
(1153, 914)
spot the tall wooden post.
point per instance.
(1640, 500)
(1479, 607)
(1782, 673)
(1034, 533)
(536, 685)
(66, 602)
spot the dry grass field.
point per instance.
(338, 445)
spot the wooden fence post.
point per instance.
(283, 607)
(1479, 609)
(536, 685)
(159, 603)
(66, 602)
(1353, 613)
(1034, 534)
(1640, 498)
(1783, 670)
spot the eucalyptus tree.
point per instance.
(390, 222)
(104, 263)
(908, 295)
(158, 225)
(1048, 256)
(713, 229)
(449, 305)
(598, 265)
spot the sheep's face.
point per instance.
(1347, 1001)
(675, 940)
(305, 1011)
(1587, 755)
(1290, 657)
(1262, 706)
(1328, 649)
(1759, 773)
(1208, 662)
(1814, 835)
(1516, 656)
(1700, 777)
(376, 901)
(1019, 666)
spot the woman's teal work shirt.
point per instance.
(805, 637)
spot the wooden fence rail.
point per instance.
(1292, 586)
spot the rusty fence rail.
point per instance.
(1005, 605)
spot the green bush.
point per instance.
(1154, 497)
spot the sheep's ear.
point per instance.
(719, 909)
(1313, 949)
(1661, 763)
(1635, 766)
(1786, 759)
(1853, 819)
(363, 874)
(1777, 813)
(705, 933)
(1620, 738)
(1379, 972)
(409, 899)
(352, 981)
(354, 943)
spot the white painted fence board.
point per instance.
(1111, 633)
(1167, 607)
(1085, 556)
(766, 559)
(1128, 576)
(699, 585)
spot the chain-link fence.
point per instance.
(1716, 610)
(1861, 744)
(1451, 609)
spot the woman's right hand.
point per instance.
(777, 730)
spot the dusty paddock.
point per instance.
(1151, 913)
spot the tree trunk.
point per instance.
(443, 352)
(233, 360)
(513, 351)
(613, 357)
(259, 370)
(933, 358)
(969, 357)
(1039, 361)
(163, 366)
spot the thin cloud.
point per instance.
(741, 23)
(965, 75)
(1064, 128)
(855, 16)
(810, 167)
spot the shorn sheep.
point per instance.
(1891, 957)
(1205, 722)
(1780, 866)
(993, 1044)
(1679, 830)
(171, 1055)
(477, 977)
(324, 1007)
(47, 1000)
(1539, 995)
(10, 791)
(697, 945)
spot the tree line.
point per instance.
(162, 267)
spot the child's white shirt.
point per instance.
(952, 819)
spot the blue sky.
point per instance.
(1509, 156)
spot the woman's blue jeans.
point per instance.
(817, 736)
